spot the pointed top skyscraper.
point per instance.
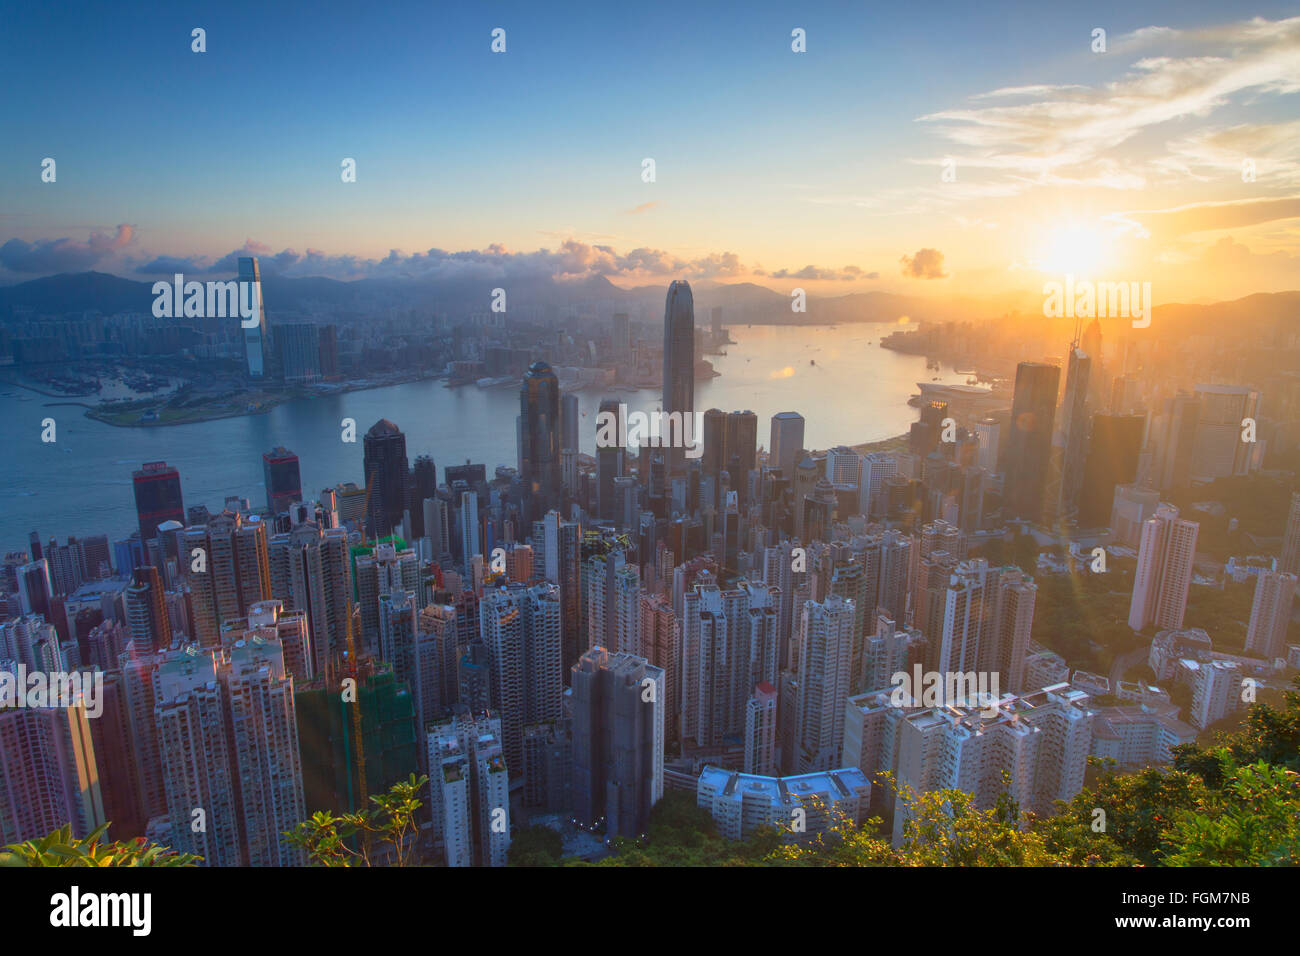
(679, 359)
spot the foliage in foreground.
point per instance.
(61, 848)
(1236, 803)
(382, 835)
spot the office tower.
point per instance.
(520, 627)
(618, 740)
(65, 566)
(539, 461)
(741, 449)
(1113, 452)
(988, 432)
(760, 730)
(470, 541)
(469, 789)
(787, 442)
(1176, 439)
(1163, 577)
(328, 339)
(715, 316)
(620, 340)
(548, 765)
(297, 351)
(97, 557)
(146, 610)
(1216, 689)
(437, 529)
(257, 338)
(1219, 451)
(283, 483)
(48, 773)
(229, 575)
(157, 497)
(1270, 613)
(424, 485)
(825, 668)
(1073, 431)
(385, 468)
(741, 803)
(1029, 443)
(1290, 560)
(311, 571)
(609, 462)
(679, 361)
(35, 589)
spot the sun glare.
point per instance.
(1076, 249)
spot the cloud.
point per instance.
(1209, 216)
(644, 207)
(847, 274)
(63, 255)
(926, 264)
(1059, 134)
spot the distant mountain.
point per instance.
(595, 297)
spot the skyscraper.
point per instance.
(1113, 452)
(1290, 561)
(825, 666)
(520, 627)
(539, 460)
(679, 360)
(257, 338)
(787, 442)
(157, 497)
(1163, 577)
(1029, 444)
(1270, 613)
(618, 740)
(1074, 431)
(386, 470)
(229, 574)
(609, 463)
(283, 482)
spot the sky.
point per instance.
(950, 150)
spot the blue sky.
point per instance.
(760, 152)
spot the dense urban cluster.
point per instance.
(792, 638)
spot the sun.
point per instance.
(1078, 249)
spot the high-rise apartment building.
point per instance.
(469, 789)
(228, 571)
(1163, 577)
(1270, 614)
(618, 740)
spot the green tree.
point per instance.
(535, 846)
(382, 835)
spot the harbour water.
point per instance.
(847, 388)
